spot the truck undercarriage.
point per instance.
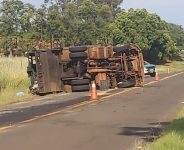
(73, 69)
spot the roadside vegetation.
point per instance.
(88, 22)
(172, 137)
(14, 81)
(175, 66)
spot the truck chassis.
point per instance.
(73, 68)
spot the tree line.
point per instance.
(87, 22)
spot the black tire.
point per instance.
(80, 88)
(56, 51)
(76, 49)
(80, 82)
(121, 48)
(78, 55)
(153, 74)
(126, 84)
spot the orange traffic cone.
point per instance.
(94, 95)
(157, 78)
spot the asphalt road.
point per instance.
(23, 111)
(116, 123)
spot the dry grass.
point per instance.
(13, 79)
(175, 66)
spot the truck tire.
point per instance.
(56, 51)
(80, 82)
(78, 55)
(80, 88)
(121, 48)
(76, 49)
(126, 84)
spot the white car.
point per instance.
(149, 69)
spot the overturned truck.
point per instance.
(73, 68)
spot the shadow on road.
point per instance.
(148, 134)
(19, 115)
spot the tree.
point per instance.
(16, 20)
(114, 5)
(11, 11)
(94, 18)
(148, 31)
(177, 34)
(80, 21)
(74, 22)
(27, 17)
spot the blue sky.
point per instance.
(169, 10)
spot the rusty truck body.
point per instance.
(73, 68)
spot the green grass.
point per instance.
(13, 79)
(173, 136)
(175, 66)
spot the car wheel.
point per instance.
(153, 74)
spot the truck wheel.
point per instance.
(153, 74)
(80, 82)
(75, 49)
(126, 84)
(78, 55)
(56, 51)
(80, 88)
(121, 48)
